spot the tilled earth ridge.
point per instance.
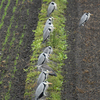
(15, 55)
(82, 68)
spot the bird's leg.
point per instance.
(82, 24)
(45, 94)
(48, 60)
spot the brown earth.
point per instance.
(25, 20)
(82, 68)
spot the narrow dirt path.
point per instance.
(82, 70)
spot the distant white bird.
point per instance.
(52, 6)
(41, 90)
(84, 18)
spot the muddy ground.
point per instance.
(82, 69)
(18, 56)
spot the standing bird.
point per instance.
(41, 90)
(43, 76)
(46, 67)
(42, 58)
(47, 25)
(52, 6)
(84, 18)
(49, 20)
(47, 32)
(48, 50)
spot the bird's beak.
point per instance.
(54, 18)
(54, 27)
(50, 71)
(49, 54)
(49, 83)
(91, 14)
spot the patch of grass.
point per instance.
(1, 82)
(7, 96)
(58, 42)
(16, 2)
(5, 12)
(7, 34)
(27, 11)
(2, 4)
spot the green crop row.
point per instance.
(7, 94)
(8, 32)
(58, 42)
(5, 13)
(2, 4)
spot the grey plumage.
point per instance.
(43, 76)
(47, 25)
(46, 33)
(41, 90)
(43, 57)
(84, 19)
(48, 50)
(52, 6)
(49, 20)
(46, 67)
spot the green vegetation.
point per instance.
(5, 12)
(2, 4)
(6, 95)
(58, 42)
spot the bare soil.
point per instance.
(82, 68)
(25, 17)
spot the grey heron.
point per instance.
(47, 25)
(49, 20)
(48, 50)
(43, 76)
(45, 67)
(41, 90)
(46, 33)
(52, 6)
(84, 18)
(43, 57)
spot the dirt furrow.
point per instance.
(81, 73)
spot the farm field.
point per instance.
(82, 76)
(79, 75)
(17, 20)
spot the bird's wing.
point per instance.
(46, 50)
(46, 34)
(41, 78)
(83, 19)
(39, 90)
(41, 59)
(50, 9)
(46, 26)
(50, 50)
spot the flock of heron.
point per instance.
(45, 70)
(42, 83)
